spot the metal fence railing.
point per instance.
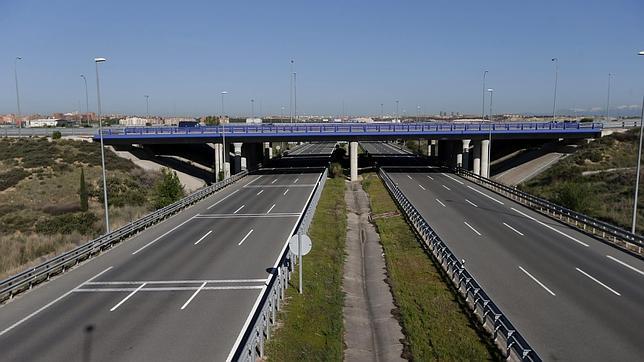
(505, 335)
(251, 348)
(615, 235)
(58, 264)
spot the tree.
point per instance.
(83, 192)
(56, 135)
(167, 190)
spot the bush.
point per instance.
(575, 196)
(12, 177)
(83, 222)
(56, 135)
(167, 190)
(335, 169)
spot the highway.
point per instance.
(313, 148)
(182, 290)
(571, 296)
(382, 148)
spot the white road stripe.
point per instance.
(431, 178)
(598, 282)
(274, 181)
(285, 192)
(421, 186)
(255, 179)
(245, 216)
(410, 177)
(216, 203)
(196, 281)
(260, 191)
(439, 201)
(168, 289)
(269, 210)
(51, 303)
(513, 229)
(192, 296)
(126, 298)
(551, 228)
(448, 176)
(471, 203)
(164, 234)
(486, 195)
(473, 229)
(626, 265)
(537, 281)
(296, 180)
(241, 207)
(203, 237)
(447, 188)
(246, 237)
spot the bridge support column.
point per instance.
(477, 158)
(465, 161)
(217, 165)
(485, 158)
(353, 155)
(237, 160)
(434, 148)
(268, 152)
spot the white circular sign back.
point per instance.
(306, 244)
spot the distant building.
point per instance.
(133, 121)
(47, 122)
(174, 121)
(254, 120)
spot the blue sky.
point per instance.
(362, 53)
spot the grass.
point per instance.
(311, 324)
(608, 195)
(435, 323)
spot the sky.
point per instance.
(349, 56)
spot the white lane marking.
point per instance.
(537, 281)
(439, 201)
(296, 180)
(421, 186)
(168, 289)
(598, 282)
(447, 188)
(246, 237)
(164, 234)
(127, 297)
(551, 228)
(626, 265)
(486, 195)
(513, 229)
(257, 178)
(241, 207)
(260, 191)
(194, 281)
(473, 229)
(269, 210)
(285, 192)
(431, 178)
(247, 216)
(471, 203)
(203, 237)
(192, 296)
(51, 303)
(448, 176)
(410, 177)
(216, 203)
(274, 181)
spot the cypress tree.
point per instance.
(83, 192)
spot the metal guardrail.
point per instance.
(505, 335)
(252, 349)
(27, 279)
(615, 235)
(353, 128)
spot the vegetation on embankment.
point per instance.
(597, 180)
(311, 324)
(45, 210)
(434, 321)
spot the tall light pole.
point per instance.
(223, 133)
(252, 108)
(639, 161)
(282, 114)
(397, 115)
(417, 113)
(86, 97)
(15, 74)
(147, 108)
(295, 96)
(290, 94)
(382, 111)
(608, 99)
(489, 143)
(100, 132)
(483, 107)
(554, 101)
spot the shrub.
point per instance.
(56, 135)
(575, 196)
(83, 222)
(167, 190)
(12, 177)
(335, 169)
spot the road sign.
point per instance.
(306, 244)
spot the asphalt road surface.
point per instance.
(182, 290)
(382, 148)
(573, 297)
(313, 148)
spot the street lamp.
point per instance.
(489, 143)
(100, 132)
(397, 116)
(252, 108)
(295, 96)
(382, 111)
(15, 74)
(223, 134)
(417, 113)
(483, 107)
(86, 97)
(554, 101)
(608, 98)
(147, 108)
(639, 160)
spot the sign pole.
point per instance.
(299, 253)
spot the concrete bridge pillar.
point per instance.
(217, 165)
(477, 158)
(268, 152)
(353, 155)
(434, 147)
(485, 158)
(237, 160)
(466, 154)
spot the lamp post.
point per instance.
(382, 111)
(397, 116)
(223, 133)
(483, 106)
(86, 97)
(290, 93)
(417, 113)
(147, 108)
(15, 74)
(295, 96)
(554, 101)
(608, 98)
(100, 132)
(639, 160)
(252, 108)
(489, 143)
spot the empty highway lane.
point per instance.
(313, 148)
(382, 148)
(181, 290)
(571, 296)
